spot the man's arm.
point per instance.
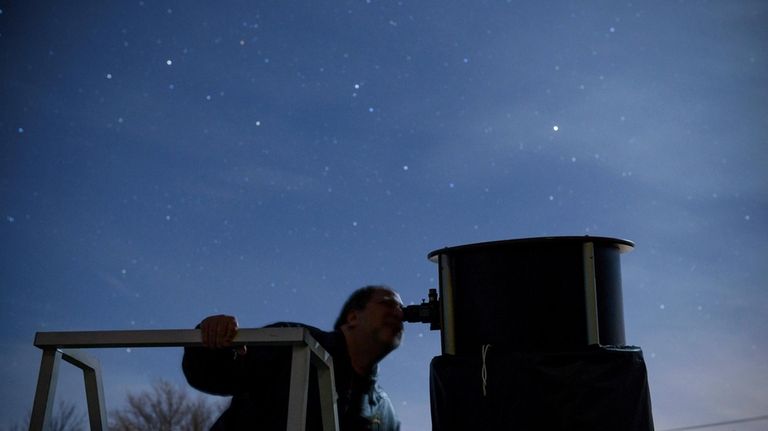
(215, 371)
(215, 368)
(220, 369)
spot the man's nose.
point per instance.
(398, 310)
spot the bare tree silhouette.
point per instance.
(65, 418)
(165, 407)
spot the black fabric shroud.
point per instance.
(600, 388)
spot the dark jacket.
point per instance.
(259, 384)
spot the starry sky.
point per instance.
(161, 161)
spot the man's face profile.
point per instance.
(382, 318)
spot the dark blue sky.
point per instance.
(162, 161)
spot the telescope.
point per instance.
(532, 337)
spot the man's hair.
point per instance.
(356, 301)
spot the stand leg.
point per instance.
(94, 392)
(327, 398)
(297, 400)
(42, 409)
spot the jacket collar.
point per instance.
(343, 363)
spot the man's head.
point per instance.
(376, 313)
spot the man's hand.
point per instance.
(219, 331)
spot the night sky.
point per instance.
(163, 161)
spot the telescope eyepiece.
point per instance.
(418, 313)
(426, 312)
